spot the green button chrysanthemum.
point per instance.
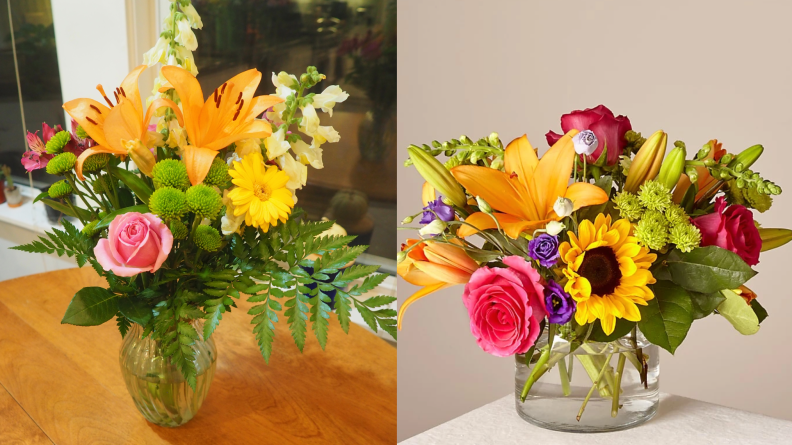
(61, 163)
(651, 233)
(60, 189)
(80, 132)
(95, 162)
(204, 201)
(90, 228)
(676, 215)
(57, 142)
(170, 173)
(168, 203)
(218, 174)
(654, 196)
(685, 236)
(108, 181)
(628, 205)
(178, 229)
(207, 238)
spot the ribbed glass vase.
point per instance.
(157, 387)
(576, 391)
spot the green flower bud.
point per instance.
(709, 162)
(672, 166)
(178, 229)
(494, 140)
(80, 132)
(401, 256)
(170, 173)
(408, 220)
(724, 174)
(57, 142)
(705, 150)
(738, 167)
(204, 201)
(748, 156)
(168, 203)
(61, 164)
(692, 174)
(90, 228)
(654, 196)
(740, 183)
(408, 162)
(218, 174)
(207, 238)
(482, 205)
(726, 158)
(60, 189)
(108, 182)
(465, 140)
(95, 162)
(436, 144)
(497, 163)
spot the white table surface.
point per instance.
(679, 421)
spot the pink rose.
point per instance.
(135, 243)
(609, 129)
(505, 307)
(731, 228)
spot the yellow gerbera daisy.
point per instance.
(607, 272)
(260, 193)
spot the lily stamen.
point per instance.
(222, 90)
(238, 98)
(96, 108)
(102, 92)
(122, 91)
(91, 120)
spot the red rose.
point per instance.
(609, 129)
(731, 228)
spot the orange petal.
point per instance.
(198, 160)
(448, 255)
(86, 154)
(428, 194)
(520, 159)
(191, 97)
(246, 82)
(81, 110)
(130, 86)
(681, 188)
(480, 221)
(552, 173)
(446, 274)
(254, 129)
(583, 194)
(417, 296)
(495, 187)
(259, 105)
(123, 123)
(407, 270)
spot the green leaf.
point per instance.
(135, 309)
(708, 269)
(41, 196)
(760, 311)
(123, 325)
(369, 284)
(483, 256)
(265, 332)
(343, 309)
(319, 318)
(91, 306)
(105, 222)
(739, 313)
(667, 318)
(133, 181)
(368, 316)
(704, 304)
(356, 271)
(379, 300)
(623, 327)
(66, 210)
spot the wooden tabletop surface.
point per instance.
(62, 384)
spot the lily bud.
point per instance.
(401, 256)
(747, 157)
(482, 205)
(407, 220)
(555, 227)
(647, 161)
(141, 156)
(585, 142)
(563, 207)
(672, 167)
(772, 238)
(437, 176)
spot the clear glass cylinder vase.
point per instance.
(158, 389)
(574, 386)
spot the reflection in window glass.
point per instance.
(38, 75)
(354, 44)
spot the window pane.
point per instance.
(354, 44)
(38, 75)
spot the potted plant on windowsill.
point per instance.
(12, 193)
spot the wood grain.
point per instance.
(68, 380)
(16, 427)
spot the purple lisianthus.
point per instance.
(560, 306)
(544, 248)
(443, 211)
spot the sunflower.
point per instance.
(260, 193)
(607, 272)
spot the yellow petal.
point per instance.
(448, 255)
(123, 123)
(552, 173)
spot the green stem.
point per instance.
(71, 206)
(539, 369)
(113, 199)
(79, 193)
(596, 382)
(617, 389)
(94, 197)
(562, 371)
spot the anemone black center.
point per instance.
(601, 268)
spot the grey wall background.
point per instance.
(696, 69)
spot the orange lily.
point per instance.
(120, 129)
(705, 180)
(226, 116)
(435, 266)
(524, 194)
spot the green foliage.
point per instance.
(704, 304)
(141, 189)
(91, 306)
(178, 229)
(739, 313)
(708, 269)
(666, 319)
(69, 242)
(123, 324)
(760, 311)
(105, 222)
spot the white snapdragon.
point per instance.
(327, 99)
(230, 223)
(247, 146)
(185, 35)
(308, 154)
(284, 79)
(325, 134)
(158, 53)
(188, 60)
(310, 120)
(297, 172)
(192, 16)
(277, 144)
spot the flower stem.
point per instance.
(617, 388)
(569, 368)
(596, 382)
(562, 371)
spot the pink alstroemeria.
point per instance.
(36, 157)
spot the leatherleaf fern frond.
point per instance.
(70, 242)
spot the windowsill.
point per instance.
(30, 216)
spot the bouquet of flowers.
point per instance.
(605, 246)
(186, 204)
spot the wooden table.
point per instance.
(62, 384)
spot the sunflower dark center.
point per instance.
(601, 268)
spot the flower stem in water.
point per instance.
(596, 382)
(617, 388)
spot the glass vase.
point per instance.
(589, 387)
(157, 387)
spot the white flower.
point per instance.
(435, 227)
(325, 134)
(192, 16)
(327, 99)
(177, 136)
(233, 158)
(310, 120)
(154, 139)
(284, 79)
(247, 146)
(276, 144)
(298, 173)
(229, 223)
(308, 154)
(585, 142)
(555, 227)
(188, 60)
(563, 207)
(185, 35)
(276, 115)
(158, 53)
